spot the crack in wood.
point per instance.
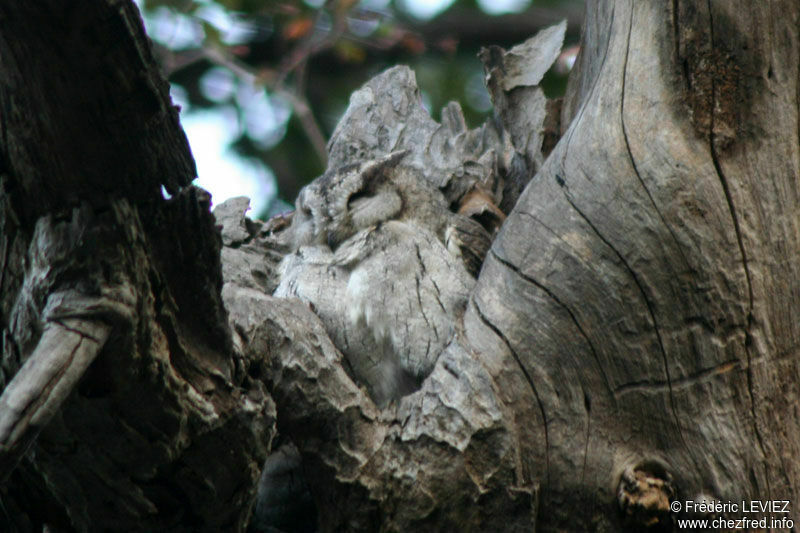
(561, 304)
(676, 35)
(648, 305)
(740, 240)
(702, 376)
(528, 377)
(587, 402)
(630, 152)
(76, 331)
(422, 309)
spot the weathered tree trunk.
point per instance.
(97, 266)
(631, 340)
(645, 281)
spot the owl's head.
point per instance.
(345, 200)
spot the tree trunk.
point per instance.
(100, 271)
(630, 342)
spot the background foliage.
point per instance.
(276, 75)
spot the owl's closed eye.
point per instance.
(369, 209)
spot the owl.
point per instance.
(386, 265)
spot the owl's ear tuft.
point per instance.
(373, 169)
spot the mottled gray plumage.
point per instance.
(387, 266)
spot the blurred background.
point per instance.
(262, 83)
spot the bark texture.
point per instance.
(632, 338)
(100, 271)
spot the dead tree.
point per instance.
(631, 340)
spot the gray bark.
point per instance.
(631, 339)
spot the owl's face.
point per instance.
(338, 204)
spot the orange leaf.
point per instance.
(298, 28)
(479, 205)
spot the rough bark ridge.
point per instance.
(100, 271)
(631, 339)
